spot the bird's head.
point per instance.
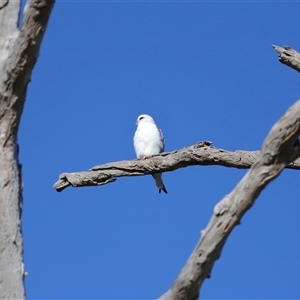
(144, 118)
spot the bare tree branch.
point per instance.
(203, 153)
(18, 53)
(288, 56)
(279, 148)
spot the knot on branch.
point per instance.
(39, 3)
(267, 159)
(223, 206)
(203, 144)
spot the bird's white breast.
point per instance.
(147, 140)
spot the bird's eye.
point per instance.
(141, 118)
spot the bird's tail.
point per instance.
(159, 182)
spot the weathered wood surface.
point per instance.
(288, 56)
(279, 148)
(19, 49)
(201, 154)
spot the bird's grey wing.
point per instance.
(162, 140)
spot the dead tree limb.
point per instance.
(288, 56)
(19, 50)
(280, 147)
(203, 153)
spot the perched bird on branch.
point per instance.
(148, 140)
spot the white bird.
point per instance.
(148, 140)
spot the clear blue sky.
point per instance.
(203, 71)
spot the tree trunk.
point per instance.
(18, 54)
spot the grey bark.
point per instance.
(203, 153)
(279, 150)
(18, 53)
(280, 147)
(288, 56)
